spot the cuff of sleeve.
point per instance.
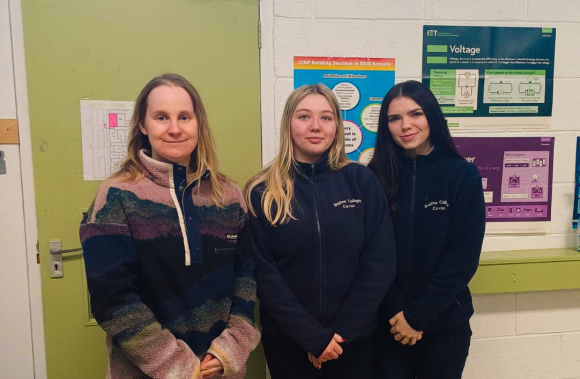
(412, 321)
(325, 341)
(197, 371)
(221, 356)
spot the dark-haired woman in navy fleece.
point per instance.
(438, 210)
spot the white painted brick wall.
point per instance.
(369, 9)
(573, 58)
(528, 357)
(570, 356)
(554, 10)
(296, 8)
(406, 51)
(526, 335)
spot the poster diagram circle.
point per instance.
(366, 156)
(352, 136)
(370, 117)
(347, 94)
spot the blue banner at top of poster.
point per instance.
(490, 71)
(359, 85)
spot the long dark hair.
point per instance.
(385, 162)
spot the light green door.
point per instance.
(108, 50)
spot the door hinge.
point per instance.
(259, 34)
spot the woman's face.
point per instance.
(409, 127)
(313, 128)
(171, 125)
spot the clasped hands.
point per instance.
(210, 367)
(402, 331)
(332, 351)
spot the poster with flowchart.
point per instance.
(359, 85)
(491, 76)
(516, 174)
(105, 133)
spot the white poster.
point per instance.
(105, 130)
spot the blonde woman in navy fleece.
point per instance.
(439, 220)
(169, 267)
(324, 248)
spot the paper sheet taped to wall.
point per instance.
(105, 130)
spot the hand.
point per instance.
(315, 361)
(333, 350)
(403, 331)
(210, 366)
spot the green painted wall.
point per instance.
(527, 270)
(108, 50)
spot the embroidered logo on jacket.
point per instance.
(440, 205)
(231, 237)
(349, 203)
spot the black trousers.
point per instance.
(439, 355)
(286, 360)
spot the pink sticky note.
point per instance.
(113, 120)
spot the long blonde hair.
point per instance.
(203, 157)
(276, 199)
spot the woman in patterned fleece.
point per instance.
(165, 245)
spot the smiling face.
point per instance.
(171, 125)
(313, 128)
(409, 127)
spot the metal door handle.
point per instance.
(56, 252)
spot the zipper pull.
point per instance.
(313, 169)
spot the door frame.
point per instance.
(28, 195)
(267, 82)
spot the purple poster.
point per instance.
(516, 174)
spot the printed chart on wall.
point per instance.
(105, 131)
(516, 175)
(360, 85)
(491, 76)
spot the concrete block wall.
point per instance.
(526, 335)
(532, 335)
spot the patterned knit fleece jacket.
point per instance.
(170, 275)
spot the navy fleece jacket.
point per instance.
(327, 271)
(439, 226)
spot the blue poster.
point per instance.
(359, 85)
(576, 213)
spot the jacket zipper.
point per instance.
(320, 271)
(182, 206)
(413, 187)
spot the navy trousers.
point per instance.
(439, 355)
